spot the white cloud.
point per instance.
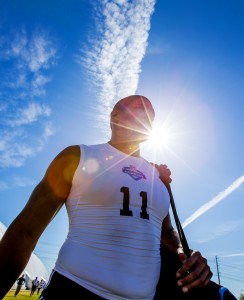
(17, 157)
(30, 56)
(48, 130)
(232, 255)
(30, 114)
(18, 145)
(114, 61)
(17, 181)
(38, 82)
(32, 53)
(221, 196)
(18, 44)
(7, 137)
(40, 53)
(23, 181)
(25, 121)
(219, 230)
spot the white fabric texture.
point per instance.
(114, 255)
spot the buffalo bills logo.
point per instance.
(133, 172)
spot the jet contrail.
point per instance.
(222, 195)
(232, 255)
(114, 57)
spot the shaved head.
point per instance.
(131, 119)
(124, 103)
(131, 123)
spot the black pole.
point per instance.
(216, 259)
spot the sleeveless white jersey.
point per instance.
(116, 207)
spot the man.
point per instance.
(35, 284)
(116, 205)
(41, 286)
(20, 282)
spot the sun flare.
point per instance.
(160, 137)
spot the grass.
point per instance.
(23, 294)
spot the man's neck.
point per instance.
(132, 149)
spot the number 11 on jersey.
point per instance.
(126, 204)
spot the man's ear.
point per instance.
(113, 118)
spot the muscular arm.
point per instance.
(46, 199)
(195, 266)
(170, 237)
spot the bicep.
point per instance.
(166, 225)
(38, 212)
(25, 230)
(169, 236)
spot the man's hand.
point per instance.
(195, 272)
(164, 173)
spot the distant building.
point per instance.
(34, 268)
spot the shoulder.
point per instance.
(69, 153)
(60, 172)
(67, 160)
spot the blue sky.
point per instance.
(65, 63)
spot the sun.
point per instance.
(160, 137)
